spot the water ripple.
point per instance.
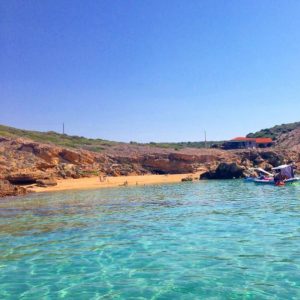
(206, 240)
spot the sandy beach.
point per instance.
(96, 183)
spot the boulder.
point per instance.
(7, 189)
(258, 161)
(187, 179)
(272, 158)
(225, 171)
(70, 156)
(69, 170)
(46, 182)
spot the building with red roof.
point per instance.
(246, 143)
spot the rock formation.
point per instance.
(225, 171)
(7, 189)
(23, 162)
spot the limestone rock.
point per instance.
(7, 189)
(187, 179)
(69, 170)
(46, 152)
(272, 158)
(46, 182)
(26, 177)
(225, 171)
(76, 157)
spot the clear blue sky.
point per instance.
(150, 70)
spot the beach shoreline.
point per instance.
(95, 182)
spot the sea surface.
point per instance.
(201, 240)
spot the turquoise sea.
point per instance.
(201, 240)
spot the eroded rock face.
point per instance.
(47, 153)
(77, 157)
(26, 177)
(167, 166)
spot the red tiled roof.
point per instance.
(263, 140)
(243, 139)
(257, 140)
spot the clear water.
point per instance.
(204, 240)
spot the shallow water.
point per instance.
(203, 240)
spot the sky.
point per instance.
(164, 70)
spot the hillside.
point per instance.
(290, 140)
(275, 132)
(286, 136)
(95, 145)
(64, 140)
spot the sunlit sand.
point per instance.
(95, 182)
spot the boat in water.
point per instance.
(285, 175)
(263, 175)
(272, 181)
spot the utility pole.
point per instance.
(205, 139)
(63, 128)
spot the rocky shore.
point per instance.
(24, 162)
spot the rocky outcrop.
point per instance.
(48, 154)
(7, 189)
(76, 157)
(225, 171)
(266, 158)
(65, 170)
(187, 179)
(26, 177)
(46, 182)
(237, 166)
(174, 163)
(167, 164)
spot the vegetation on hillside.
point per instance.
(276, 131)
(52, 137)
(96, 145)
(182, 145)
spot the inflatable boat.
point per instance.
(264, 181)
(264, 175)
(271, 181)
